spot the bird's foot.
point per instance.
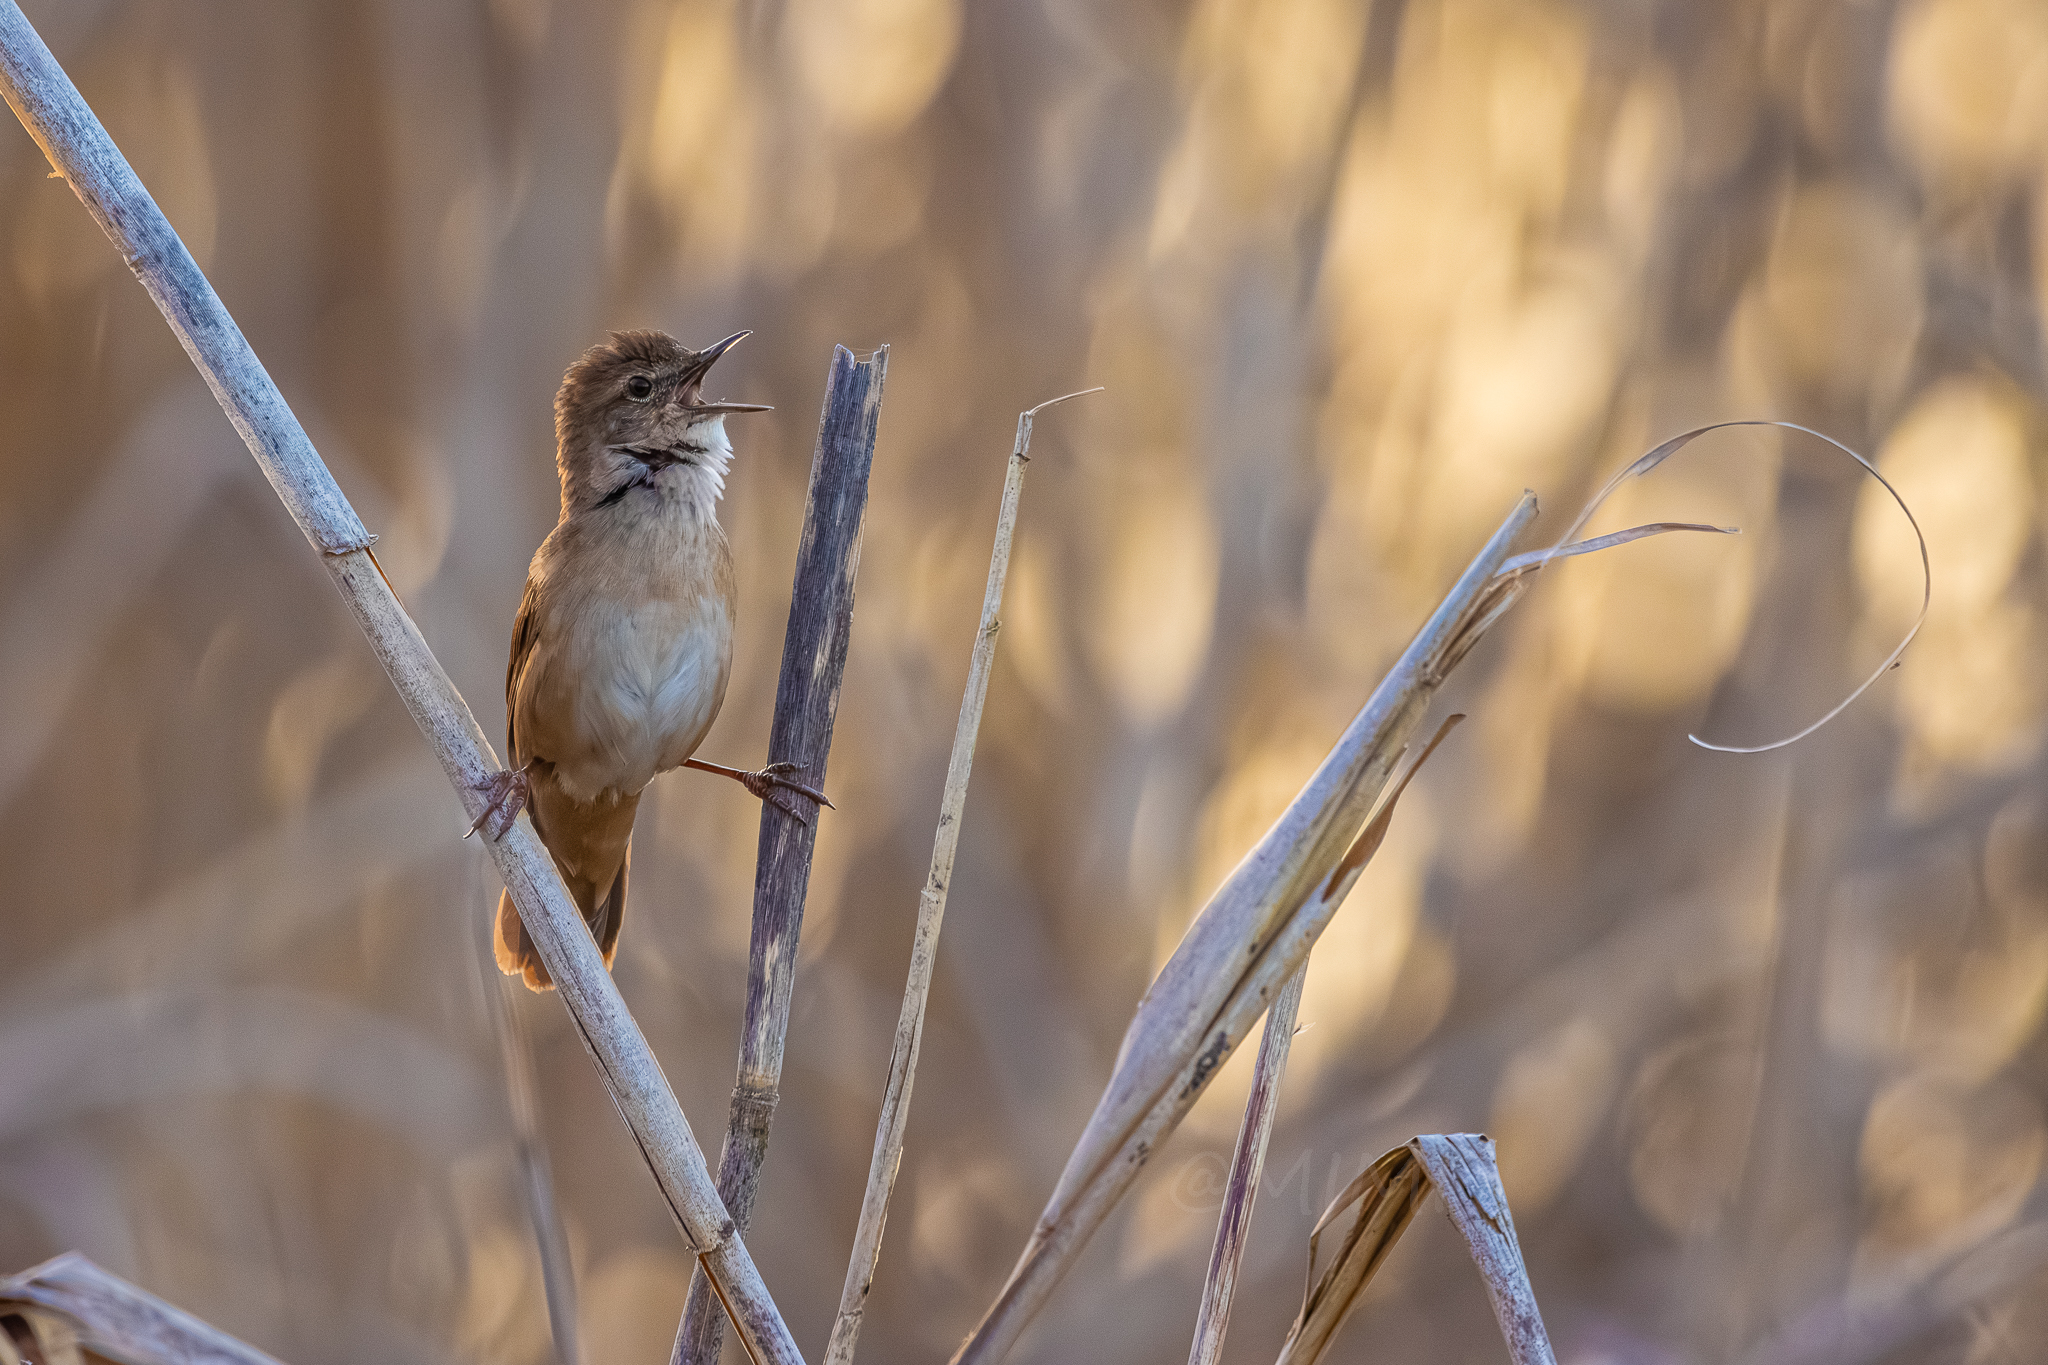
(765, 782)
(505, 796)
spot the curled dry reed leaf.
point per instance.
(1685, 438)
(1387, 1194)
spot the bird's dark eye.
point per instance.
(639, 386)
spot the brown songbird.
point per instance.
(623, 642)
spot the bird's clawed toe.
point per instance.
(763, 783)
(504, 796)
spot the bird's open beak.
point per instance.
(708, 357)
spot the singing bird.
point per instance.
(623, 642)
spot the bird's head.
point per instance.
(631, 420)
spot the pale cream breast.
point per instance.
(653, 678)
(635, 614)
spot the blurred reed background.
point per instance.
(1760, 1038)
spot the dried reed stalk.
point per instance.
(1246, 1163)
(51, 108)
(1463, 1169)
(806, 704)
(931, 911)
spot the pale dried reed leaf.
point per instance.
(1253, 935)
(1507, 585)
(1294, 857)
(1055, 402)
(1677, 443)
(111, 1318)
(1536, 559)
(1387, 1194)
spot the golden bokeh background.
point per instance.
(1760, 1038)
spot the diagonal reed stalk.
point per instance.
(51, 108)
(806, 705)
(931, 911)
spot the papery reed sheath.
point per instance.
(1384, 1198)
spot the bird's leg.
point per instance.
(504, 797)
(763, 782)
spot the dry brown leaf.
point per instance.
(1461, 1168)
(1387, 1194)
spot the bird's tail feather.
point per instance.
(514, 947)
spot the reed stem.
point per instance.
(931, 911)
(1246, 1164)
(806, 705)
